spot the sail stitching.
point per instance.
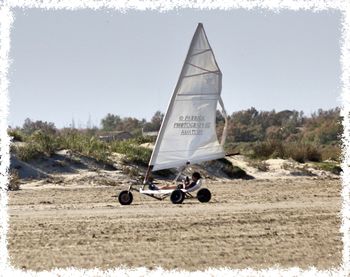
(207, 70)
(191, 94)
(203, 73)
(199, 99)
(200, 148)
(195, 54)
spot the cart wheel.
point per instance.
(203, 195)
(125, 197)
(177, 196)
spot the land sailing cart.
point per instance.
(188, 131)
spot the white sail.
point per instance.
(188, 133)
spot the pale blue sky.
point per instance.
(75, 64)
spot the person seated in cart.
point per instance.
(186, 184)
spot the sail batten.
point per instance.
(188, 131)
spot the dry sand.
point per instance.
(249, 223)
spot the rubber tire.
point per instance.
(177, 196)
(125, 197)
(204, 195)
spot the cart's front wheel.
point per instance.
(203, 195)
(125, 197)
(177, 196)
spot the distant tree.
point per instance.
(129, 124)
(246, 117)
(110, 122)
(30, 127)
(323, 127)
(155, 123)
(157, 119)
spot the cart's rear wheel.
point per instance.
(203, 195)
(177, 196)
(125, 197)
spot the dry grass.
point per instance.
(14, 180)
(300, 152)
(260, 165)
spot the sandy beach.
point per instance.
(255, 223)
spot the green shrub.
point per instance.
(29, 127)
(230, 170)
(141, 139)
(85, 144)
(336, 170)
(100, 150)
(39, 143)
(16, 135)
(133, 153)
(268, 149)
(296, 153)
(43, 142)
(303, 152)
(73, 140)
(313, 154)
(328, 166)
(27, 152)
(331, 152)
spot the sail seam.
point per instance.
(203, 73)
(191, 94)
(219, 146)
(195, 54)
(197, 99)
(196, 66)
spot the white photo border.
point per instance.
(6, 20)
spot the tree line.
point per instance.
(321, 127)
(250, 125)
(259, 134)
